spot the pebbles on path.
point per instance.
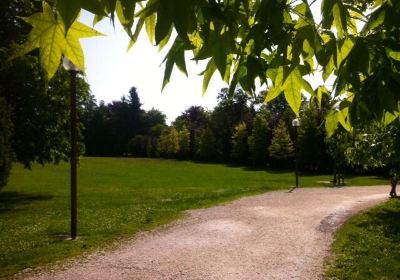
(276, 235)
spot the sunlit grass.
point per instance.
(117, 198)
(368, 246)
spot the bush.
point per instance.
(206, 146)
(5, 142)
(240, 147)
(138, 145)
(259, 141)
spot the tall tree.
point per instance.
(110, 127)
(169, 143)
(281, 148)
(240, 147)
(260, 139)
(206, 146)
(228, 113)
(97, 133)
(184, 143)
(311, 140)
(195, 118)
(136, 112)
(151, 118)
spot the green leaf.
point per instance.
(344, 120)
(389, 117)
(328, 69)
(110, 6)
(165, 41)
(125, 10)
(292, 90)
(326, 11)
(306, 86)
(164, 21)
(152, 7)
(219, 47)
(69, 11)
(97, 7)
(73, 49)
(169, 65)
(273, 93)
(176, 55)
(210, 69)
(331, 123)
(150, 23)
(97, 19)
(338, 21)
(394, 55)
(48, 34)
(136, 34)
(376, 19)
(308, 50)
(344, 49)
(320, 92)
(277, 88)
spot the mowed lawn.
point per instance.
(368, 246)
(117, 198)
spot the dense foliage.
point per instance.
(277, 43)
(38, 109)
(281, 149)
(121, 128)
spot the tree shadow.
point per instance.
(387, 219)
(11, 201)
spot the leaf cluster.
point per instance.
(275, 43)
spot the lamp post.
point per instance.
(73, 71)
(296, 124)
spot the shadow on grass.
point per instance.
(11, 201)
(386, 218)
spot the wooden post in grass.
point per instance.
(73, 71)
(296, 124)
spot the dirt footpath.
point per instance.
(276, 235)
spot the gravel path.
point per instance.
(276, 235)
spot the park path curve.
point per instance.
(276, 235)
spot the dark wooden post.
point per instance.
(74, 154)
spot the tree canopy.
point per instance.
(277, 43)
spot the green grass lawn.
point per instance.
(117, 197)
(368, 246)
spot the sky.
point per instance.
(111, 71)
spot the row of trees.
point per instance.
(239, 130)
(113, 129)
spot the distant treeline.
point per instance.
(239, 130)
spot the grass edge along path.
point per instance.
(367, 246)
(118, 197)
